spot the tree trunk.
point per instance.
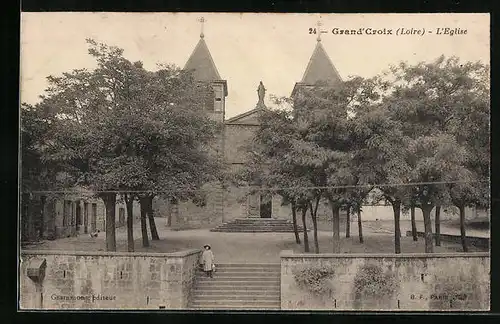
(129, 201)
(348, 222)
(110, 204)
(144, 228)
(396, 207)
(413, 224)
(315, 228)
(41, 223)
(304, 225)
(335, 226)
(152, 224)
(438, 225)
(360, 227)
(463, 237)
(169, 212)
(294, 220)
(429, 242)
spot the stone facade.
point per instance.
(71, 215)
(417, 282)
(108, 280)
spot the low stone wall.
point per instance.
(480, 242)
(417, 282)
(108, 280)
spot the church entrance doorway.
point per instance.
(265, 206)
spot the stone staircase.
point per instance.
(238, 286)
(256, 225)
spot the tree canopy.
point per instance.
(120, 128)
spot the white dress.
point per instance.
(208, 260)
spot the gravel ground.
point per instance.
(250, 247)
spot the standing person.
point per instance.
(208, 260)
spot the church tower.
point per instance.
(319, 71)
(204, 70)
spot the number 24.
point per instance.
(312, 30)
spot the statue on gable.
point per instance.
(261, 91)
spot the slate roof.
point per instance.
(320, 68)
(202, 63)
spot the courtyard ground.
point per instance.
(447, 227)
(253, 247)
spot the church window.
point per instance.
(218, 104)
(218, 100)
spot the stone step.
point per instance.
(235, 291)
(257, 219)
(217, 278)
(238, 307)
(236, 303)
(261, 220)
(259, 223)
(258, 226)
(274, 266)
(250, 265)
(231, 271)
(248, 273)
(252, 298)
(255, 229)
(252, 231)
(262, 278)
(238, 284)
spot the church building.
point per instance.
(233, 203)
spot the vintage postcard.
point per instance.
(248, 161)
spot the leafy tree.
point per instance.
(431, 101)
(356, 198)
(322, 115)
(124, 129)
(37, 174)
(282, 163)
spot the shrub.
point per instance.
(314, 278)
(370, 281)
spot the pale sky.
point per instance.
(246, 48)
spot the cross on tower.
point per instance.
(319, 24)
(202, 21)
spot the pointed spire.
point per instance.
(201, 60)
(320, 67)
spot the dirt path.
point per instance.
(246, 247)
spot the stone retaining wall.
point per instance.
(417, 282)
(109, 280)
